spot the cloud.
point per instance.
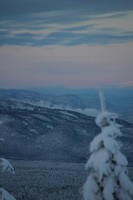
(18, 7)
(79, 28)
(65, 38)
(61, 22)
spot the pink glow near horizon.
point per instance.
(78, 66)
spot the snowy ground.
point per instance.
(39, 180)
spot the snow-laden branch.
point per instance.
(4, 195)
(5, 166)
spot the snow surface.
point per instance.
(1, 122)
(109, 189)
(99, 163)
(91, 189)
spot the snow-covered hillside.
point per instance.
(33, 132)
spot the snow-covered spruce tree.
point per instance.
(5, 166)
(108, 176)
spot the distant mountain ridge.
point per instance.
(117, 99)
(32, 97)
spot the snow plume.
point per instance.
(92, 112)
(108, 178)
(87, 111)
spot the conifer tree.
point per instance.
(108, 175)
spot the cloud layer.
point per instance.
(60, 22)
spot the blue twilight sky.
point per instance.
(76, 43)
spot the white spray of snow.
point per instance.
(87, 111)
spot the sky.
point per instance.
(74, 43)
